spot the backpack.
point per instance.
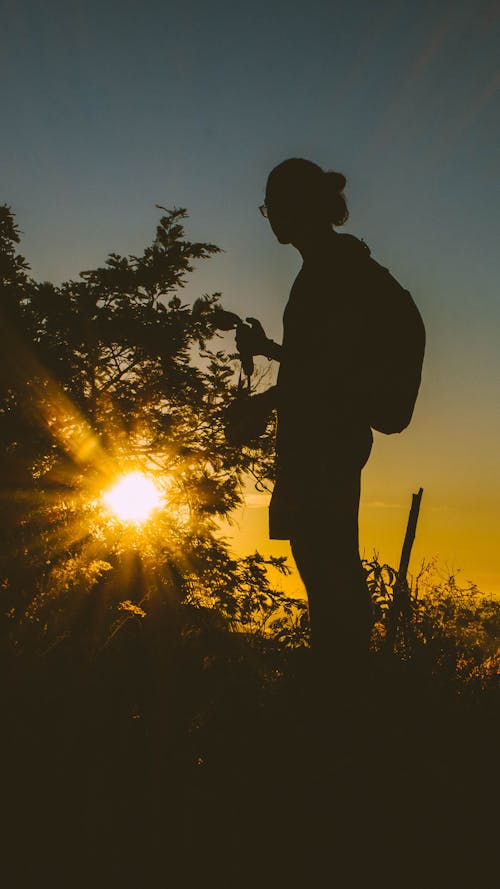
(395, 346)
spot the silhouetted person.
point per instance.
(324, 438)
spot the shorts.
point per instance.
(318, 497)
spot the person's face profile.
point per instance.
(281, 216)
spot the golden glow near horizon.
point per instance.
(133, 498)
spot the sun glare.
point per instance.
(133, 498)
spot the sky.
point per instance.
(110, 107)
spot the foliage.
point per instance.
(448, 630)
(100, 376)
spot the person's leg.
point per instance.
(326, 551)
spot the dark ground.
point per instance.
(220, 767)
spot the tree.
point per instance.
(102, 376)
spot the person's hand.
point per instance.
(246, 418)
(251, 338)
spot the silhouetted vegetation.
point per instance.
(160, 720)
(98, 379)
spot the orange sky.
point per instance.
(458, 525)
(442, 532)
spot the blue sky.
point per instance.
(108, 108)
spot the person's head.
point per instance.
(302, 199)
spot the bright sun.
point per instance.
(133, 498)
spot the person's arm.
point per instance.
(269, 398)
(273, 351)
(246, 418)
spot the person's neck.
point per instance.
(312, 242)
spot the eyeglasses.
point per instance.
(263, 210)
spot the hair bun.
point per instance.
(336, 181)
(336, 207)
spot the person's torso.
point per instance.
(322, 368)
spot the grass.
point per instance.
(213, 758)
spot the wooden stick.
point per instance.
(401, 592)
(409, 536)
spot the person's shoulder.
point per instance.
(350, 246)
